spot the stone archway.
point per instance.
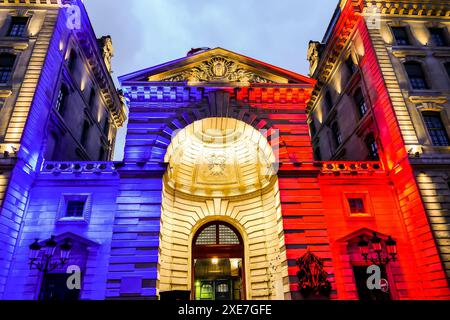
(222, 169)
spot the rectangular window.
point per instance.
(360, 102)
(447, 68)
(401, 36)
(416, 75)
(438, 37)
(357, 205)
(6, 67)
(18, 26)
(436, 129)
(75, 208)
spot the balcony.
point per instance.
(351, 167)
(55, 167)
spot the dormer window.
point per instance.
(18, 26)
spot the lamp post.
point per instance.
(378, 258)
(47, 262)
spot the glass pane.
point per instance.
(227, 236)
(207, 236)
(218, 279)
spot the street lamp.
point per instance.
(379, 258)
(46, 262)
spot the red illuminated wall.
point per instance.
(315, 213)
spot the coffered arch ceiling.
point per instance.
(220, 157)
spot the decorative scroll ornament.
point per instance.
(218, 69)
(313, 279)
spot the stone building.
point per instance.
(57, 102)
(219, 196)
(404, 120)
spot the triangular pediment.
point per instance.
(217, 66)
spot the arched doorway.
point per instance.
(218, 263)
(221, 169)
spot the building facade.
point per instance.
(406, 44)
(57, 101)
(221, 195)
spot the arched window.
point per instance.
(217, 234)
(61, 100)
(416, 75)
(436, 128)
(337, 136)
(6, 66)
(360, 102)
(372, 146)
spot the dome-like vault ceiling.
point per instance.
(219, 157)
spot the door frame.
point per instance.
(218, 251)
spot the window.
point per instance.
(336, 134)
(217, 234)
(328, 101)
(317, 154)
(436, 129)
(401, 36)
(372, 146)
(6, 67)
(85, 133)
(62, 99)
(92, 96)
(360, 103)
(351, 65)
(18, 26)
(416, 75)
(75, 208)
(101, 154)
(72, 60)
(447, 68)
(106, 127)
(312, 128)
(356, 205)
(438, 37)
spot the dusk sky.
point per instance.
(149, 32)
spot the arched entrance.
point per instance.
(222, 169)
(218, 264)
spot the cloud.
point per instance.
(150, 32)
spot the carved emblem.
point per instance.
(218, 69)
(216, 164)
